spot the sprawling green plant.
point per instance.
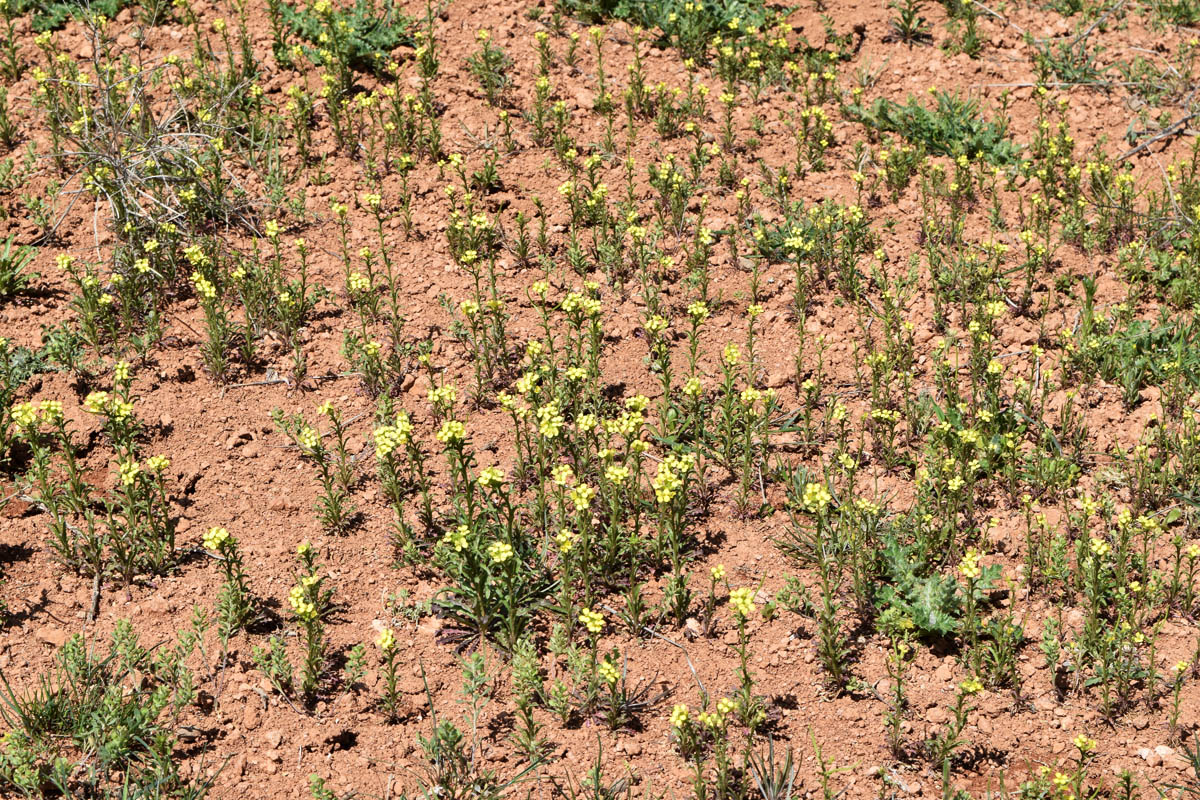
(101, 725)
(954, 126)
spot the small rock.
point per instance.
(52, 636)
(238, 439)
(273, 738)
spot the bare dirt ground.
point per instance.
(231, 467)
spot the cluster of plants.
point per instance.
(564, 517)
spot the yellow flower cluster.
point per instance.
(500, 552)
(111, 406)
(308, 438)
(565, 540)
(214, 538)
(129, 471)
(451, 432)
(667, 481)
(24, 415)
(969, 568)
(298, 599)
(388, 438)
(742, 600)
(608, 672)
(592, 620)
(816, 497)
(204, 287)
(456, 538)
(490, 476)
(581, 496)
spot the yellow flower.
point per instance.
(608, 672)
(679, 715)
(816, 497)
(51, 409)
(742, 600)
(24, 415)
(565, 540)
(718, 572)
(308, 438)
(214, 538)
(387, 640)
(562, 475)
(129, 472)
(456, 538)
(1085, 743)
(970, 565)
(592, 620)
(666, 483)
(550, 420)
(971, 686)
(500, 552)
(452, 431)
(616, 473)
(581, 496)
(491, 476)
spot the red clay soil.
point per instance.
(230, 467)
